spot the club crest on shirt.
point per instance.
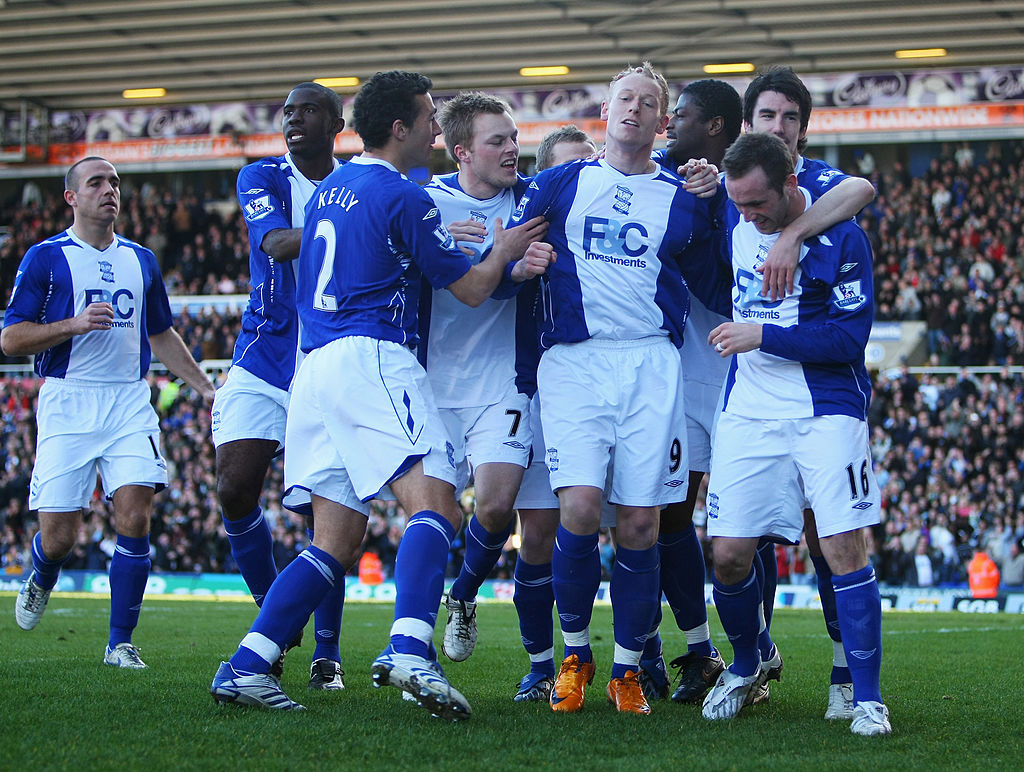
(848, 296)
(106, 271)
(476, 216)
(623, 198)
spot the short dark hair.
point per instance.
(457, 115)
(754, 149)
(717, 98)
(330, 96)
(569, 133)
(385, 98)
(784, 81)
(71, 178)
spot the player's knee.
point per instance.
(732, 565)
(58, 544)
(235, 499)
(495, 515)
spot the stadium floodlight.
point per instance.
(540, 72)
(721, 69)
(920, 53)
(144, 93)
(345, 82)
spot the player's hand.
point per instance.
(779, 267)
(95, 316)
(207, 392)
(701, 177)
(735, 338)
(539, 255)
(469, 231)
(515, 241)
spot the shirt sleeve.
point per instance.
(31, 288)
(261, 200)
(428, 241)
(840, 334)
(158, 308)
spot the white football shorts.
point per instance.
(535, 490)
(616, 402)
(765, 471)
(703, 404)
(248, 408)
(499, 433)
(87, 428)
(361, 414)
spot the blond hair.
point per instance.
(646, 69)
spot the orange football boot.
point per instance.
(627, 695)
(570, 684)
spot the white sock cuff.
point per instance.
(698, 634)
(413, 628)
(261, 646)
(578, 639)
(624, 656)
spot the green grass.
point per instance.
(952, 682)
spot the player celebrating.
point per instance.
(369, 237)
(92, 306)
(250, 409)
(777, 102)
(793, 426)
(536, 504)
(705, 121)
(615, 305)
(470, 354)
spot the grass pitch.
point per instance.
(952, 682)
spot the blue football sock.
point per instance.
(129, 570)
(635, 589)
(252, 547)
(46, 571)
(483, 548)
(652, 646)
(576, 576)
(327, 621)
(860, 620)
(327, 616)
(737, 608)
(534, 600)
(768, 578)
(682, 581)
(823, 573)
(299, 589)
(419, 581)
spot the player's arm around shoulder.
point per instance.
(834, 206)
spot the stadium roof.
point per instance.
(84, 53)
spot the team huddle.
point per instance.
(570, 344)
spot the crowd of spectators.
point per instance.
(202, 245)
(948, 448)
(949, 251)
